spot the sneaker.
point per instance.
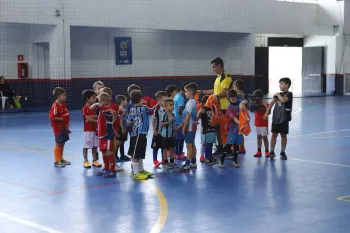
(283, 156)
(214, 158)
(87, 164)
(257, 154)
(169, 166)
(202, 159)
(235, 164)
(229, 156)
(193, 165)
(221, 163)
(156, 163)
(140, 176)
(110, 174)
(210, 161)
(125, 158)
(146, 173)
(241, 150)
(182, 156)
(95, 163)
(101, 173)
(174, 165)
(118, 169)
(65, 162)
(267, 154)
(59, 164)
(185, 168)
(272, 155)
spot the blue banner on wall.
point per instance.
(123, 50)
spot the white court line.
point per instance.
(310, 161)
(35, 130)
(299, 109)
(28, 223)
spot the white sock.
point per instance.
(135, 167)
(141, 165)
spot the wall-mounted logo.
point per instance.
(123, 45)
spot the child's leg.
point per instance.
(273, 141)
(235, 156)
(266, 143)
(259, 142)
(155, 154)
(135, 166)
(189, 152)
(121, 148)
(165, 156)
(57, 152)
(176, 148)
(241, 147)
(181, 146)
(208, 151)
(193, 154)
(202, 149)
(283, 142)
(85, 152)
(171, 152)
(94, 154)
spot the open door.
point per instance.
(312, 70)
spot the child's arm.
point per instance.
(154, 126)
(165, 123)
(236, 120)
(283, 99)
(200, 113)
(91, 119)
(243, 104)
(268, 109)
(122, 127)
(186, 121)
(95, 106)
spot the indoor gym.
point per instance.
(307, 193)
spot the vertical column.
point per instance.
(60, 51)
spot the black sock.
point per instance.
(259, 149)
(121, 150)
(171, 160)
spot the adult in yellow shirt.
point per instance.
(222, 83)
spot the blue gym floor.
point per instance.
(308, 193)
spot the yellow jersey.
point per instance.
(222, 81)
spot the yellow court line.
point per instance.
(163, 204)
(35, 151)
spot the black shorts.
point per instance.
(138, 146)
(122, 137)
(62, 137)
(282, 128)
(168, 143)
(156, 142)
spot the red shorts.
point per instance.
(105, 144)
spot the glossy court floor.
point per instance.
(308, 193)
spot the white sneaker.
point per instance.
(118, 169)
(193, 165)
(221, 164)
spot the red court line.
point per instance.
(26, 186)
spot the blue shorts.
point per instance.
(208, 138)
(190, 136)
(62, 137)
(234, 139)
(179, 134)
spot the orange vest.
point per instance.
(244, 119)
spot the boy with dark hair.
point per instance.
(234, 139)
(171, 90)
(189, 127)
(282, 114)
(208, 132)
(90, 129)
(258, 105)
(179, 105)
(123, 135)
(59, 118)
(139, 122)
(238, 86)
(157, 127)
(168, 133)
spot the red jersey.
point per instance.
(59, 110)
(259, 119)
(88, 126)
(105, 129)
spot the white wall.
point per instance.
(159, 53)
(330, 54)
(255, 16)
(29, 11)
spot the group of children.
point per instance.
(175, 116)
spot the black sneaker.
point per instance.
(210, 161)
(283, 156)
(272, 155)
(125, 158)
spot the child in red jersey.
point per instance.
(59, 118)
(90, 129)
(258, 105)
(108, 128)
